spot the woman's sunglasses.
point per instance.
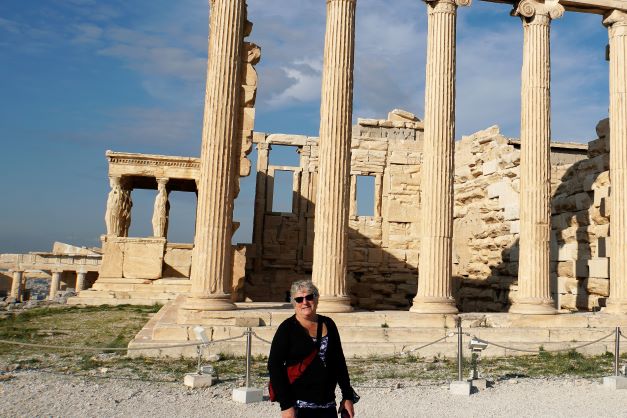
(309, 297)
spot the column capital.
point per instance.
(162, 181)
(530, 8)
(615, 17)
(263, 146)
(457, 3)
(115, 181)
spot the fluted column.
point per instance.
(534, 295)
(435, 266)
(332, 200)
(211, 273)
(161, 210)
(616, 21)
(16, 284)
(54, 284)
(80, 281)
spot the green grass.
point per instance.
(115, 326)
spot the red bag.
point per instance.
(296, 370)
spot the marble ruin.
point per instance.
(483, 224)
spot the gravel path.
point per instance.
(36, 393)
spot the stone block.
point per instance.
(567, 252)
(248, 118)
(598, 286)
(460, 387)
(143, 258)
(177, 262)
(599, 267)
(615, 382)
(112, 259)
(567, 285)
(247, 395)
(490, 167)
(511, 212)
(400, 211)
(195, 380)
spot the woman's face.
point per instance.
(305, 308)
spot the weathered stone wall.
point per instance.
(487, 212)
(383, 248)
(486, 225)
(580, 222)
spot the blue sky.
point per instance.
(78, 77)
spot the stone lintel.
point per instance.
(583, 6)
(136, 167)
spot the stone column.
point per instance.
(616, 21)
(332, 199)
(54, 284)
(80, 281)
(534, 296)
(435, 266)
(16, 284)
(212, 265)
(161, 210)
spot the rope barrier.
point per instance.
(402, 353)
(549, 351)
(261, 339)
(150, 347)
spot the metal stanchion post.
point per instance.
(616, 381)
(248, 394)
(460, 376)
(249, 336)
(617, 351)
(460, 386)
(199, 352)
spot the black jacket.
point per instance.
(290, 345)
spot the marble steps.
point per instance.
(383, 333)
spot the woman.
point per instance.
(310, 343)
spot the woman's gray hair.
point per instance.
(306, 285)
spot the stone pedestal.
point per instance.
(460, 387)
(247, 395)
(434, 271)
(535, 164)
(332, 201)
(211, 272)
(54, 284)
(615, 382)
(616, 22)
(195, 380)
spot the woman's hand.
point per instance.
(289, 413)
(348, 405)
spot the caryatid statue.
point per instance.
(160, 215)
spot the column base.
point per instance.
(209, 303)
(433, 305)
(616, 306)
(533, 306)
(334, 304)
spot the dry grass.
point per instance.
(115, 326)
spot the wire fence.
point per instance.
(249, 334)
